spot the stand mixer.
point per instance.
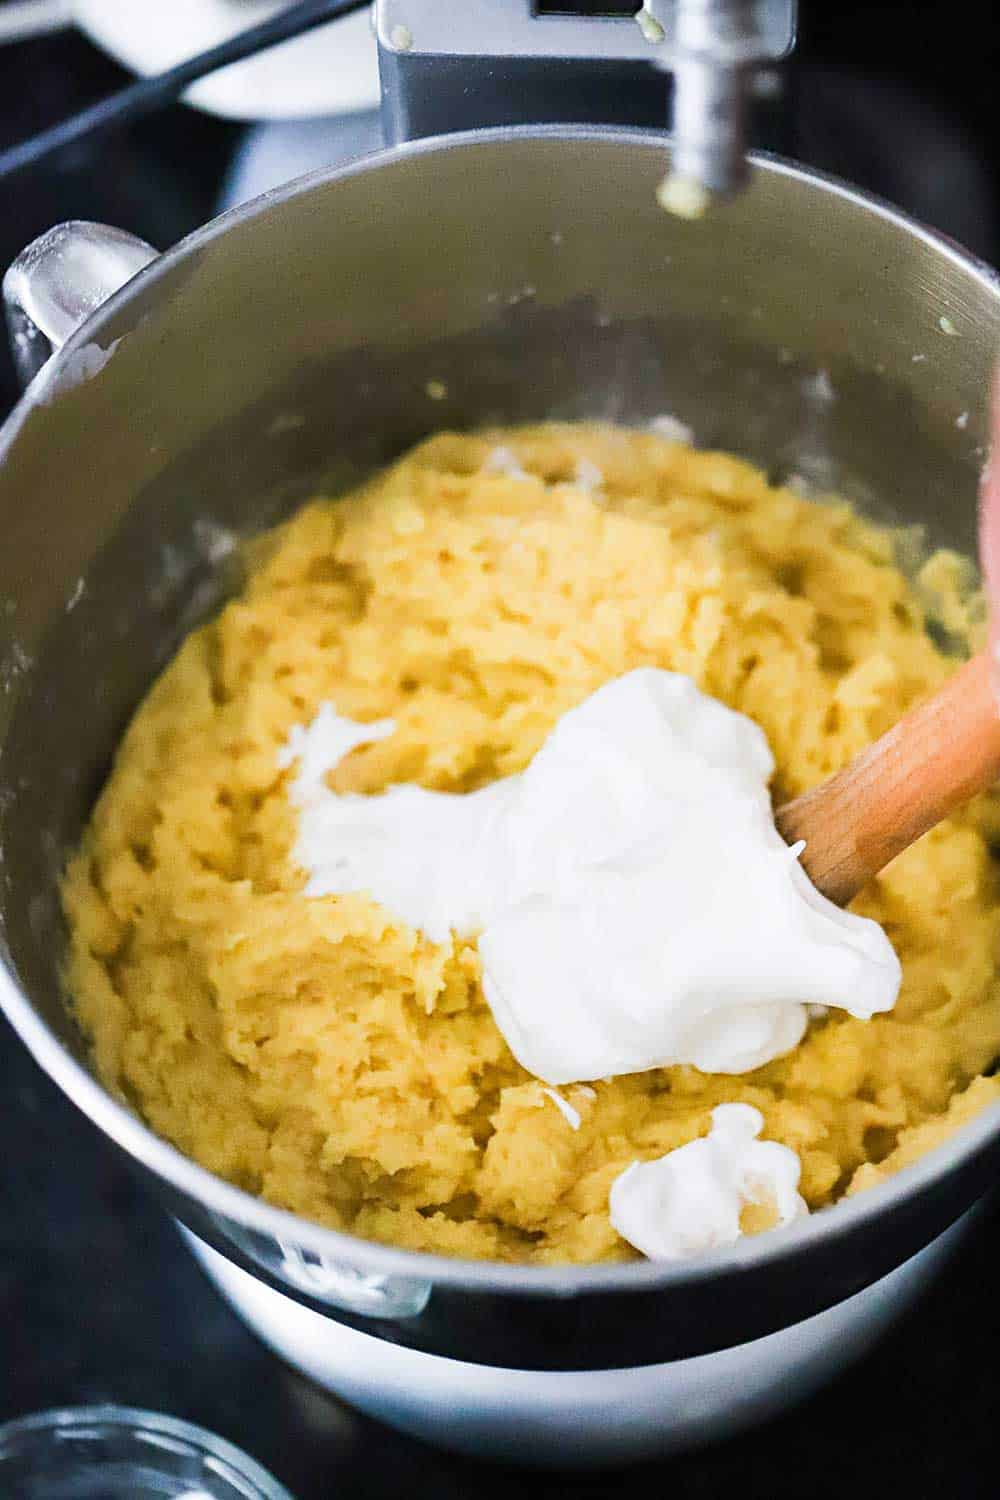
(524, 270)
(499, 62)
(489, 63)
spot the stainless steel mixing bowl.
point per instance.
(297, 342)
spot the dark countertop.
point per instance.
(99, 1299)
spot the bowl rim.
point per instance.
(242, 1210)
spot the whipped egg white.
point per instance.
(691, 1200)
(634, 904)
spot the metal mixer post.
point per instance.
(493, 62)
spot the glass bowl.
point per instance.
(120, 1453)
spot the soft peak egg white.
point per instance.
(635, 905)
(691, 1200)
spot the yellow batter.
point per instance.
(342, 1066)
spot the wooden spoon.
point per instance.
(936, 758)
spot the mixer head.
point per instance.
(451, 66)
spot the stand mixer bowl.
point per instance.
(293, 345)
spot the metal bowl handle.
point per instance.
(59, 280)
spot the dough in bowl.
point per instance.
(325, 1055)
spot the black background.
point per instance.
(98, 1299)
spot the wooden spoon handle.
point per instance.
(937, 757)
